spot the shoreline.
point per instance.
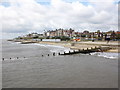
(78, 45)
(82, 45)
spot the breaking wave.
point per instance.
(107, 55)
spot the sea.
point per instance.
(35, 66)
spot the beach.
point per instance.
(114, 45)
(85, 45)
(37, 71)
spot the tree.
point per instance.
(98, 31)
(64, 38)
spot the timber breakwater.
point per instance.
(88, 50)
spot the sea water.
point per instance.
(32, 70)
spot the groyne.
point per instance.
(87, 51)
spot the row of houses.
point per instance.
(77, 35)
(84, 35)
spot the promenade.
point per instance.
(102, 43)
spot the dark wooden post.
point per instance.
(74, 51)
(69, 51)
(87, 49)
(58, 53)
(53, 54)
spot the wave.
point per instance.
(15, 42)
(53, 48)
(106, 55)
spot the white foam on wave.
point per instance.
(60, 50)
(106, 55)
(53, 48)
(15, 42)
(45, 45)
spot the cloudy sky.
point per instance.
(19, 17)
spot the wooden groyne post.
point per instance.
(54, 54)
(87, 51)
(59, 53)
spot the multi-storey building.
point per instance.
(59, 32)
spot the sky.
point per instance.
(20, 17)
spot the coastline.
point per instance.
(114, 45)
(81, 45)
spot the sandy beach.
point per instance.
(114, 45)
(84, 45)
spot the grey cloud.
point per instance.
(31, 16)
